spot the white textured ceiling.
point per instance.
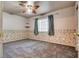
(45, 7)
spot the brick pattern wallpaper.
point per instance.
(13, 35)
(65, 37)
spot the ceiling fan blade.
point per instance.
(22, 3)
(36, 7)
(23, 11)
(34, 11)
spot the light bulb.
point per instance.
(29, 11)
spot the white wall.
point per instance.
(63, 19)
(13, 22)
(14, 27)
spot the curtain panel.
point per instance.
(51, 25)
(36, 27)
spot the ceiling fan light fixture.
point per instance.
(29, 10)
(29, 6)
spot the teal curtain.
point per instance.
(36, 27)
(51, 25)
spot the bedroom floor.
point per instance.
(37, 49)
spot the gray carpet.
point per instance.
(37, 49)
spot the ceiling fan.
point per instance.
(29, 6)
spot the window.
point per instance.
(43, 24)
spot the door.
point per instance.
(78, 29)
(77, 33)
(1, 53)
